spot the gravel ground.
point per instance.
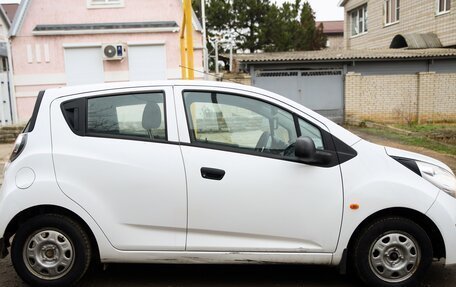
(230, 275)
(450, 160)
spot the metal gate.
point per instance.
(319, 90)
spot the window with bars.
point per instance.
(104, 3)
(443, 6)
(359, 20)
(392, 11)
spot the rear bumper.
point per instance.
(3, 248)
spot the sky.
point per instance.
(325, 10)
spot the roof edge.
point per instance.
(19, 18)
(23, 7)
(348, 55)
(5, 17)
(195, 21)
(342, 3)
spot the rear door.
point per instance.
(115, 156)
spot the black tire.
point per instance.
(54, 236)
(392, 251)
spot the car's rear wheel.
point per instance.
(392, 251)
(51, 250)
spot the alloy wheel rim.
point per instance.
(49, 254)
(394, 257)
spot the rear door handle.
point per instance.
(212, 173)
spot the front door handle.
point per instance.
(212, 173)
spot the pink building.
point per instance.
(72, 42)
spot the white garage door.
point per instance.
(84, 66)
(147, 62)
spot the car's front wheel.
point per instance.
(51, 250)
(392, 251)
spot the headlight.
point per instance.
(439, 177)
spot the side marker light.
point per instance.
(354, 206)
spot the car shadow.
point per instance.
(217, 275)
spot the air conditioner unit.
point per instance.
(116, 51)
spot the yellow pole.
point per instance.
(189, 36)
(186, 46)
(186, 42)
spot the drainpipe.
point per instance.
(231, 58)
(205, 52)
(12, 95)
(217, 70)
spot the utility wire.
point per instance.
(209, 74)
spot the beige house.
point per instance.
(374, 23)
(334, 31)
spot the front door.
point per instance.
(116, 161)
(246, 190)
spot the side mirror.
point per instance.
(305, 148)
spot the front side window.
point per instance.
(443, 6)
(243, 123)
(359, 20)
(308, 130)
(392, 11)
(125, 116)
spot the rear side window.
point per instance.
(137, 115)
(132, 116)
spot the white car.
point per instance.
(207, 172)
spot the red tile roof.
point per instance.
(10, 10)
(332, 27)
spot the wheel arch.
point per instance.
(34, 211)
(421, 219)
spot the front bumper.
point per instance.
(3, 248)
(443, 213)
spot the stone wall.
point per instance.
(422, 97)
(239, 78)
(335, 42)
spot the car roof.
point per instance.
(73, 90)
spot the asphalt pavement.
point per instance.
(136, 275)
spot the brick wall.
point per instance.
(336, 42)
(239, 78)
(445, 97)
(400, 98)
(415, 17)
